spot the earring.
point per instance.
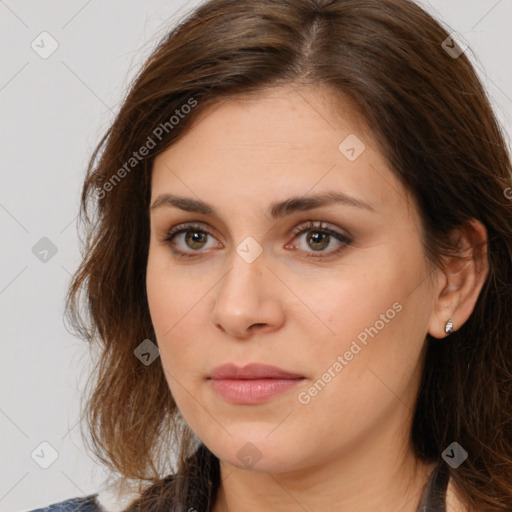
(448, 328)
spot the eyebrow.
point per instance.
(277, 209)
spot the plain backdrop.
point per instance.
(53, 110)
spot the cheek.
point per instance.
(374, 320)
(159, 301)
(347, 306)
(175, 306)
(364, 371)
(165, 312)
(169, 296)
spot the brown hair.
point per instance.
(434, 124)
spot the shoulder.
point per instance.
(85, 504)
(114, 498)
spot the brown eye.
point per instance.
(195, 239)
(191, 237)
(318, 238)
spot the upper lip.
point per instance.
(251, 371)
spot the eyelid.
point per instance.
(321, 226)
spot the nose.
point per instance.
(248, 299)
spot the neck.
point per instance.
(351, 483)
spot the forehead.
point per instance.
(295, 117)
(281, 142)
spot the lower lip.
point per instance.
(252, 391)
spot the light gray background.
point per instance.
(53, 111)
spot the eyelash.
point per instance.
(299, 230)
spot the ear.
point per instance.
(461, 279)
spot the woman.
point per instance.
(300, 268)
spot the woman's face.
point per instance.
(344, 307)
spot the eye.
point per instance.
(194, 236)
(318, 238)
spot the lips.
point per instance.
(252, 384)
(251, 371)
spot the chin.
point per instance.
(257, 453)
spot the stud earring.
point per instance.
(448, 328)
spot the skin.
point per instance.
(347, 448)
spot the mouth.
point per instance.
(252, 384)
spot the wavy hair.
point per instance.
(435, 126)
